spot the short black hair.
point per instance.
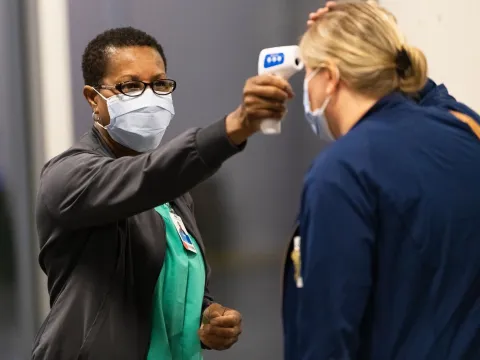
(95, 56)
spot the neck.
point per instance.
(348, 110)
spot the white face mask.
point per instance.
(139, 123)
(316, 118)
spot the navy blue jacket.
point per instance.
(390, 229)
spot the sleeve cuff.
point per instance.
(214, 146)
(204, 347)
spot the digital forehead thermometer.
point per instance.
(283, 61)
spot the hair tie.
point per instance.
(402, 62)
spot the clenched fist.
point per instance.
(220, 327)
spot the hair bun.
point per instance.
(411, 66)
(403, 63)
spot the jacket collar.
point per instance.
(95, 136)
(386, 102)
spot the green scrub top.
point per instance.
(178, 298)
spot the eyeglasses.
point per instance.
(136, 88)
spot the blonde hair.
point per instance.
(363, 41)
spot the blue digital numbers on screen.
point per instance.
(273, 60)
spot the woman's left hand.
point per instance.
(314, 16)
(220, 327)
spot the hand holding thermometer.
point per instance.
(283, 61)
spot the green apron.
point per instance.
(177, 303)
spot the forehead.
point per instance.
(142, 62)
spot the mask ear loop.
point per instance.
(96, 121)
(321, 110)
(95, 117)
(317, 70)
(312, 75)
(103, 97)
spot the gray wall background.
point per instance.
(245, 211)
(17, 253)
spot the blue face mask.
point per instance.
(316, 119)
(139, 123)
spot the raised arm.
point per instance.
(84, 189)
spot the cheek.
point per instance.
(317, 97)
(103, 112)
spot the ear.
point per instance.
(90, 95)
(333, 78)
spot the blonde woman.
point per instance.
(386, 264)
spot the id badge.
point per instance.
(182, 232)
(297, 262)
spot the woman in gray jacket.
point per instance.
(124, 258)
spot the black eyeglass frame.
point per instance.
(120, 86)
